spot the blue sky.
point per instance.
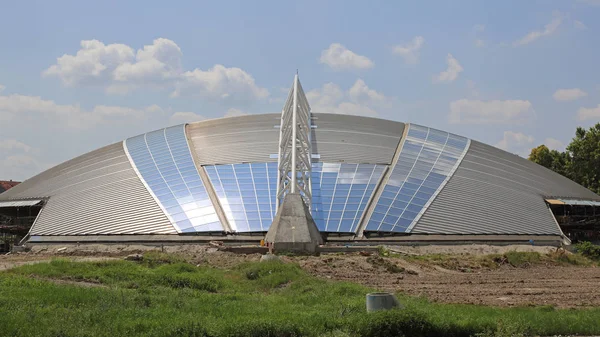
(77, 75)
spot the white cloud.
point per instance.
(185, 117)
(358, 100)
(219, 82)
(579, 25)
(13, 144)
(410, 51)
(588, 113)
(2, 87)
(479, 43)
(466, 111)
(233, 112)
(160, 60)
(568, 94)
(339, 57)
(360, 92)
(516, 142)
(549, 29)
(94, 63)
(554, 144)
(120, 69)
(32, 108)
(451, 73)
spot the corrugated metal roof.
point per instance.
(493, 191)
(232, 140)
(20, 203)
(355, 139)
(96, 193)
(254, 138)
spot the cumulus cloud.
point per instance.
(185, 117)
(410, 51)
(32, 108)
(451, 73)
(360, 92)
(568, 94)
(358, 100)
(516, 142)
(94, 63)
(219, 82)
(554, 144)
(339, 57)
(2, 87)
(588, 113)
(465, 111)
(120, 69)
(548, 30)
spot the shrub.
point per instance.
(522, 259)
(588, 249)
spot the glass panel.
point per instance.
(426, 160)
(164, 161)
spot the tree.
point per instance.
(541, 155)
(584, 149)
(552, 159)
(581, 160)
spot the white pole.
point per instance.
(294, 136)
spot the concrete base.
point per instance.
(293, 228)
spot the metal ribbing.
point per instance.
(495, 192)
(241, 139)
(97, 193)
(354, 139)
(336, 138)
(526, 174)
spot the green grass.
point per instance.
(165, 296)
(515, 259)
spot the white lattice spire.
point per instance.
(295, 149)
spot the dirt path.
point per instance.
(12, 261)
(560, 286)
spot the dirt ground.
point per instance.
(557, 285)
(560, 286)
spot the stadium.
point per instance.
(364, 180)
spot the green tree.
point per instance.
(581, 160)
(541, 155)
(552, 159)
(584, 150)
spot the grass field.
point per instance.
(165, 296)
